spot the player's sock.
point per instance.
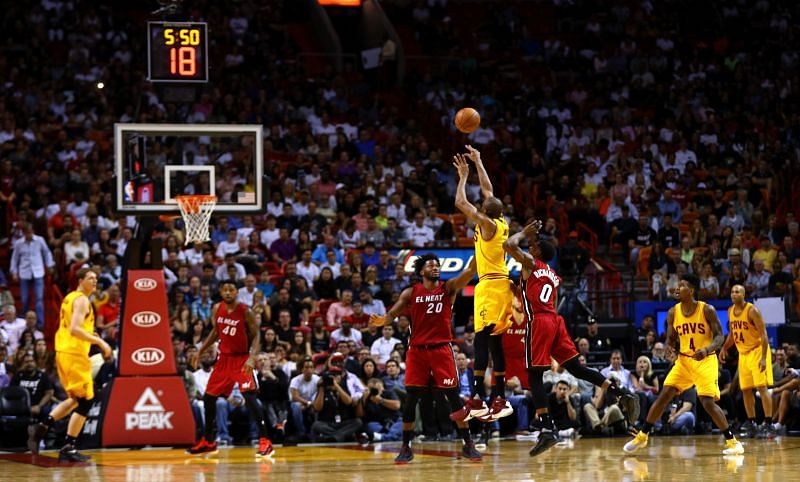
(70, 440)
(752, 420)
(647, 427)
(464, 434)
(210, 407)
(768, 420)
(727, 433)
(49, 422)
(478, 385)
(500, 386)
(547, 422)
(407, 436)
(251, 400)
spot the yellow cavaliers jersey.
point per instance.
(489, 255)
(694, 332)
(65, 342)
(745, 333)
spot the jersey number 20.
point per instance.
(434, 308)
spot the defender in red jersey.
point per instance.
(430, 350)
(237, 331)
(546, 334)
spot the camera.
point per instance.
(373, 392)
(327, 379)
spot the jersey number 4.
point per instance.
(434, 308)
(229, 330)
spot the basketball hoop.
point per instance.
(196, 211)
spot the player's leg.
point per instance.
(456, 404)
(69, 452)
(655, 412)
(254, 409)
(748, 429)
(547, 436)
(499, 406)
(732, 446)
(628, 402)
(413, 394)
(767, 429)
(481, 361)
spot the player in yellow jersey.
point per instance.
(493, 294)
(694, 331)
(746, 330)
(74, 337)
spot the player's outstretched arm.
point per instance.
(758, 320)
(399, 307)
(486, 185)
(511, 245)
(463, 278)
(716, 328)
(462, 203)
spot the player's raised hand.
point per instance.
(376, 320)
(460, 162)
(473, 154)
(531, 230)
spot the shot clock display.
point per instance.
(177, 51)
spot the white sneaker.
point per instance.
(733, 447)
(636, 443)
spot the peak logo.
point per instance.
(147, 356)
(146, 319)
(145, 284)
(148, 413)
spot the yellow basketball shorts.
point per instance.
(703, 374)
(75, 373)
(493, 299)
(749, 374)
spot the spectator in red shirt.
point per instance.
(55, 225)
(108, 314)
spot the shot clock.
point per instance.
(177, 51)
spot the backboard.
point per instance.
(154, 163)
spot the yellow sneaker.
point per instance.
(638, 442)
(733, 447)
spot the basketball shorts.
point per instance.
(547, 337)
(749, 374)
(75, 373)
(437, 361)
(228, 372)
(493, 299)
(703, 374)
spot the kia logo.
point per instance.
(146, 319)
(147, 357)
(145, 284)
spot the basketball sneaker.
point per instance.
(472, 408)
(35, 435)
(203, 447)
(638, 442)
(69, 453)
(500, 408)
(405, 456)
(469, 452)
(547, 438)
(265, 448)
(733, 447)
(748, 430)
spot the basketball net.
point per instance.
(196, 212)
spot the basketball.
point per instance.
(467, 120)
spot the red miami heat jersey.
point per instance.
(232, 329)
(431, 312)
(539, 290)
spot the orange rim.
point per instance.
(192, 203)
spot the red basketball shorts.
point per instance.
(228, 372)
(437, 361)
(547, 337)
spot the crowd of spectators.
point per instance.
(676, 145)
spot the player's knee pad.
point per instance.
(84, 406)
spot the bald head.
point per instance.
(738, 293)
(493, 207)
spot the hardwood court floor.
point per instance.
(667, 458)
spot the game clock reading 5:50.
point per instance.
(177, 52)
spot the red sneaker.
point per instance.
(203, 447)
(500, 408)
(265, 448)
(472, 408)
